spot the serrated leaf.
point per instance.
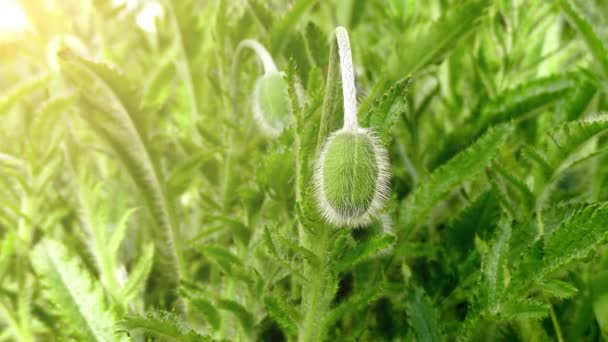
(245, 318)
(430, 46)
(283, 28)
(7, 250)
(422, 316)
(385, 111)
(301, 251)
(461, 168)
(362, 251)
(241, 232)
(599, 291)
(118, 120)
(261, 12)
(476, 219)
(512, 104)
(119, 233)
(577, 103)
(559, 289)
(75, 294)
(212, 316)
(493, 267)
(594, 43)
(527, 97)
(139, 274)
(272, 249)
(223, 257)
(163, 325)
(283, 313)
(577, 236)
(355, 303)
(9, 98)
(524, 310)
(563, 141)
(317, 44)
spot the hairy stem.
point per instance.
(317, 295)
(349, 91)
(269, 67)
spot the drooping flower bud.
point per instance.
(271, 107)
(352, 177)
(352, 173)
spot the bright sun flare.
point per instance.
(12, 18)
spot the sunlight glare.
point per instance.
(12, 18)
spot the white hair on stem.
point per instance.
(336, 216)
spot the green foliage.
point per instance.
(461, 168)
(162, 325)
(436, 39)
(115, 115)
(142, 198)
(77, 298)
(425, 320)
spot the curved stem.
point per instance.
(269, 67)
(349, 91)
(259, 50)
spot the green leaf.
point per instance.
(283, 28)
(301, 251)
(591, 37)
(527, 97)
(493, 267)
(261, 12)
(244, 316)
(578, 102)
(139, 274)
(564, 141)
(573, 239)
(241, 232)
(558, 289)
(272, 249)
(283, 313)
(7, 250)
(599, 291)
(163, 325)
(331, 115)
(524, 310)
(438, 39)
(385, 110)
(117, 118)
(476, 219)
(187, 34)
(223, 257)
(317, 44)
(461, 168)
(17, 92)
(212, 316)
(422, 316)
(362, 251)
(119, 233)
(76, 296)
(47, 114)
(353, 304)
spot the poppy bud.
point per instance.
(352, 173)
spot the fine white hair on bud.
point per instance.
(352, 174)
(352, 177)
(271, 105)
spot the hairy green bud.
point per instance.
(352, 173)
(352, 177)
(271, 107)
